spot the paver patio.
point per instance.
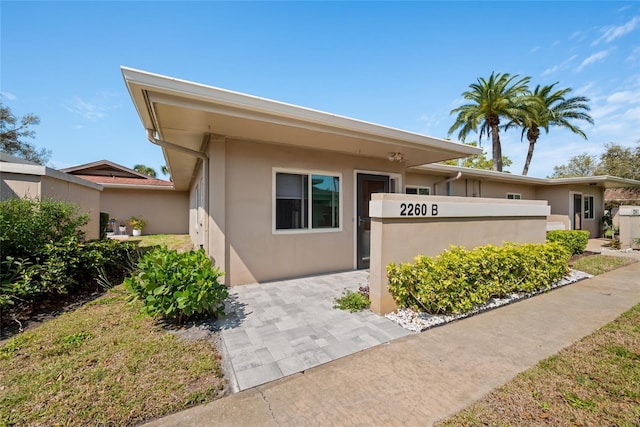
(276, 329)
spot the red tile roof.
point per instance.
(126, 181)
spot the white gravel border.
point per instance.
(416, 321)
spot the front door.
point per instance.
(367, 185)
(577, 211)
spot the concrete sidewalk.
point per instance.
(422, 378)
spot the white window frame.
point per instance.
(586, 197)
(309, 229)
(418, 188)
(514, 196)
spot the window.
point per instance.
(588, 207)
(514, 196)
(423, 191)
(304, 201)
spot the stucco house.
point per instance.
(277, 190)
(126, 193)
(24, 179)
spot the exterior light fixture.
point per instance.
(396, 157)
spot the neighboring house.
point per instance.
(127, 193)
(277, 190)
(24, 179)
(581, 200)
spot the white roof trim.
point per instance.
(607, 181)
(28, 169)
(262, 106)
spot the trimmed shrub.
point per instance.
(574, 240)
(178, 286)
(26, 226)
(459, 279)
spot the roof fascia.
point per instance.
(200, 96)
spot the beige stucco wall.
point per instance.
(87, 198)
(19, 185)
(469, 187)
(629, 220)
(560, 198)
(400, 240)
(166, 211)
(240, 231)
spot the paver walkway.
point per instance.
(421, 378)
(281, 328)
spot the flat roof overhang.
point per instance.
(185, 113)
(603, 181)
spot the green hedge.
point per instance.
(574, 240)
(178, 286)
(458, 279)
(42, 254)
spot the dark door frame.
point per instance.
(363, 223)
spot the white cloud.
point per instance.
(612, 32)
(535, 49)
(85, 109)
(626, 96)
(560, 66)
(596, 57)
(8, 95)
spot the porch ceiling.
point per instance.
(183, 113)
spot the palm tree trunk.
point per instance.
(496, 149)
(527, 162)
(532, 135)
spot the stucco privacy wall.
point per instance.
(482, 221)
(40, 182)
(165, 211)
(629, 219)
(241, 236)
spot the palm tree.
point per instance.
(499, 96)
(551, 109)
(147, 170)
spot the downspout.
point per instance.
(205, 162)
(454, 178)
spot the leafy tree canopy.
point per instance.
(13, 132)
(623, 162)
(147, 170)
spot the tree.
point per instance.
(498, 97)
(580, 165)
(477, 162)
(546, 108)
(164, 169)
(149, 171)
(14, 130)
(623, 162)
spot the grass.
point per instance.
(598, 264)
(595, 381)
(105, 364)
(181, 242)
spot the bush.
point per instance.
(43, 255)
(459, 279)
(26, 226)
(65, 266)
(574, 240)
(352, 301)
(179, 286)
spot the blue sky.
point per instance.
(399, 64)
